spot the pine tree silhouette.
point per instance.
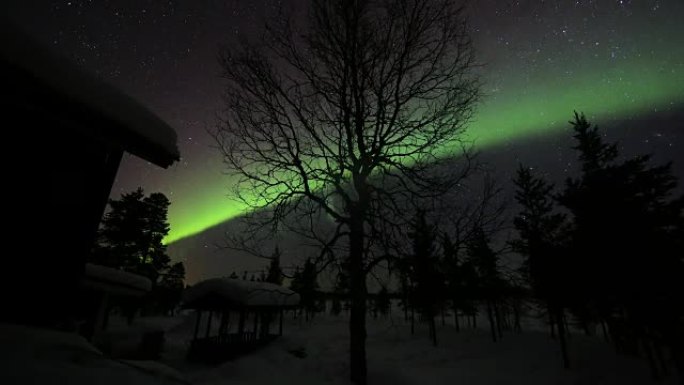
(275, 274)
(489, 286)
(627, 245)
(424, 271)
(542, 240)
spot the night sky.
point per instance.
(621, 62)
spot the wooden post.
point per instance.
(95, 323)
(208, 324)
(241, 322)
(103, 309)
(105, 321)
(197, 323)
(256, 324)
(280, 327)
(222, 323)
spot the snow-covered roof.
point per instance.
(115, 281)
(238, 292)
(74, 96)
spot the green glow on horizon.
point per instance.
(517, 112)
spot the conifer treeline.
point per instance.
(603, 254)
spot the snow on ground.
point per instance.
(316, 352)
(36, 356)
(121, 339)
(396, 357)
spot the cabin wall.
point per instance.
(57, 186)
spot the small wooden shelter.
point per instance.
(244, 310)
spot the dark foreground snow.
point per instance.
(316, 353)
(396, 357)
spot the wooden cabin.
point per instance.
(235, 316)
(64, 132)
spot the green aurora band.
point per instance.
(523, 109)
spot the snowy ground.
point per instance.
(36, 356)
(396, 357)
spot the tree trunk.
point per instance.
(405, 310)
(497, 319)
(357, 319)
(280, 325)
(605, 331)
(433, 329)
(413, 322)
(458, 327)
(197, 323)
(647, 348)
(492, 325)
(660, 358)
(678, 355)
(561, 336)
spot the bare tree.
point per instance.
(352, 115)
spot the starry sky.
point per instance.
(619, 61)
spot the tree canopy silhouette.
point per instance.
(346, 117)
(424, 272)
(130, 236)
(305, 282)
(543, 241)
(615, 256)
(275, 273)
(628, 227)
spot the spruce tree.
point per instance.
(305, 283)
(131, 234)
(424, 272)
(541, 241)
(486, 264)
(455, 284)
(382, 301)
(275, 274)
(628, 227)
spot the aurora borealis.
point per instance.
(614, 60)
(504, 119)
(652, 80)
